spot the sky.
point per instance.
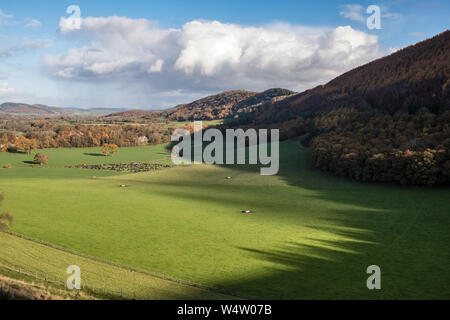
(157, 54)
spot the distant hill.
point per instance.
(219, 106)
(47, 111)
(127, 114)
(212, 107)
(223, 105)
(30, 109)
(410, 79)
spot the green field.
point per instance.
(73, 156)
(107, 280)
(311, 236)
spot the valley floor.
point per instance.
(311, 235)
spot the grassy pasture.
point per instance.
(312, 236)
(73, 156)
(117, 282)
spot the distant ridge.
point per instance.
(218, 106)
(138, 113)
(224, 104)
(29, 109)
(24, 109)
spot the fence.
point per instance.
(124, 293)
(60, 284)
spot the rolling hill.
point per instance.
(30, 109)
(410, 79)
(387, 121)
(24, 109)
(224, 104)
(133, 114)
(211, 107)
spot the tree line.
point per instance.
(40, 134)
(403, 148)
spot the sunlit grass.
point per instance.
(311, 235)
(97, 277)
(73, 156)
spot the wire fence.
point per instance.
(61, 284)
(111, 292)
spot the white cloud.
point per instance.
(8, 20)
(33, 23)
(210, 55)
(5, 18)
(353, 12)
(22, 47)
(3, 15)
(5, 90)
(393, 50)
(157, 66)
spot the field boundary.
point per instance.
(27, 288)
(60, 282)
(118, 265)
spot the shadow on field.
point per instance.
(331, 265)
(401, 229)
(95, 154)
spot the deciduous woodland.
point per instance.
(387, 121)
(49, 134)
(403, 148)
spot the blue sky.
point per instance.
(254, 45)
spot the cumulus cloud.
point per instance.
(210, 55)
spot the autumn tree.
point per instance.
(27, 145)
(109, 149)
(4, 142)
(6, 219)
(113, 149)
(105, 149)
(41, 158)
